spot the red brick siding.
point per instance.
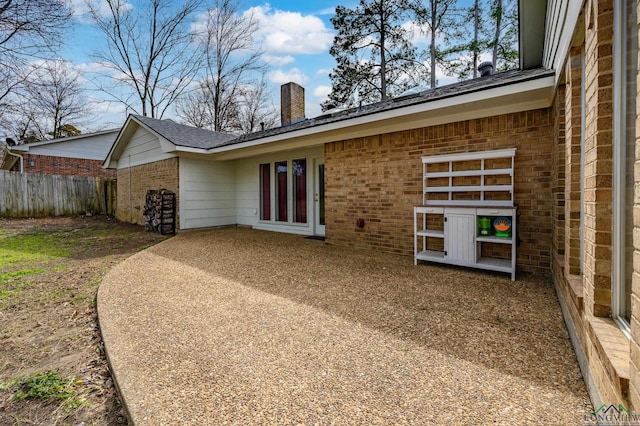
(379, 180)
(50, 165)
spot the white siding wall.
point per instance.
(248, 195)
(143, 148)
(562, 17)
(207, 193)
(92, 147)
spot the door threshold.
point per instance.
(315, 237)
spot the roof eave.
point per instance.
(116, 149)
(522, 96)
(532, 32)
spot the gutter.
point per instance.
(19, 156)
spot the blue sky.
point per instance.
(295, 35)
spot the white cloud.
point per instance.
(92, 67)
(81, 9)
(323, 72)
(290, 32)
(326, 11)
(416, 35)
(322, 92)
(277, 60)
(293, 75)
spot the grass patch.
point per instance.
(46, 386)
(38, 246)
(10, 277)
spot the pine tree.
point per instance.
(504, 44)
(375, 58)
(440, 20)
(466, 55)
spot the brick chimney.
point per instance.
(291, 103)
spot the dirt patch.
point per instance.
(50, 270)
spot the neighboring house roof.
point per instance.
(90, 146)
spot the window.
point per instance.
(265, 191)
(624, 141)
(281, 191)
(299, 173)
(284, 192)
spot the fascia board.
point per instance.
(116, 150)
(127, 130)
(564, 43)
(165, 145)
(528, 95)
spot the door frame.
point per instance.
(318, 184)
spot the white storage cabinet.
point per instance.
(459, 206)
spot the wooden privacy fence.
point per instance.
(37, 195)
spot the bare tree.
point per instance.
(148, 51)
(255, 110)
(194, 108)
(29, 30)
(53, 102)
(231, 60)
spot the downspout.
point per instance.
(20, 157)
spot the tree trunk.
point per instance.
(383, 57)
(432, 47)
(496, 38)
(476, 24)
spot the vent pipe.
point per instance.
(485, 68)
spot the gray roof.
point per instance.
(183, 135)
(456, 89)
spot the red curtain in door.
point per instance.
(281, 191)
(265, 191)
(299, 169)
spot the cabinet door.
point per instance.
(459, 238)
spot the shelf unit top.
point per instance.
(466, 156)
(452, 190)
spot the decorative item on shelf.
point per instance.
(502, 226)
(360, 223)
(484, 226)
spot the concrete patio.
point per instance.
(237, 326)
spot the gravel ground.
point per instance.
(237, 326)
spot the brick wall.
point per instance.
(50, 165)
(558, 171)
(157, 175)
(573, 126)
(379, 179)
(587, 297)
(598, 168)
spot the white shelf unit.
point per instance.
(462, 207)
